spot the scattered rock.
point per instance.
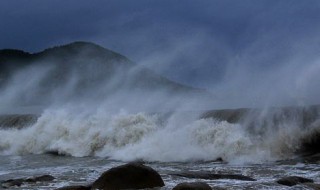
(192, 186)
(211, 176)
(78, 187)
(56, 153)
(293, 180)
(129, 176)
(40, 178)
(219, 159)
(12, 183)
(20, 181)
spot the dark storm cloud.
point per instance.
(236, 23)
(34, 25)
(196, 42)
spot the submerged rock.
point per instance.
(77, 187)
(312, 186)
(18, 182)
(12, 183)
(40, 178)
(192, 186)
(129, 176)
(211, 176)
(56, 153)
(293, 180)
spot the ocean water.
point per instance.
(76, 147)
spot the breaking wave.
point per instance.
(78, 91)
(156, 137)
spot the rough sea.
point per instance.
(76, 148)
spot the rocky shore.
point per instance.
(136, 175)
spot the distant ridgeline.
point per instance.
(302, 115)
(93, 61)
(65, 57)
(78, 70)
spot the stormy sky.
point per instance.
(219, 45)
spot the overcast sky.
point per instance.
(197, 42)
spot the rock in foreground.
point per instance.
(129, 176)
(78, 187)
(293, 180)
(192, 186)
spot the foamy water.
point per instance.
(151, 137)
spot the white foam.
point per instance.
(127, 137)
(77, 135)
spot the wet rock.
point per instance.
(77, 187)
(129, 176)
(56, 153)
(40, 179)
(310, 143)
(312, 186)
(211, 176)
(293, 180)
(12, 183)
(314, 159)
(192, 186)
(18, 182)
(219, 159)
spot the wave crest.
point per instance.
(154, 137)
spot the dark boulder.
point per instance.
(192, 186)
(77, 187)
(313, 159)
(129, 176)
(56, 153)
(293, 180)
(212, 176)
(312, 186)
